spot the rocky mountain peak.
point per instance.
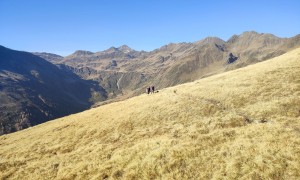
(125, 49)
(111, 50)
(249, 33)
(252, 39)
(210, 40)
(82, 53)
(232, 39)
(244, 35)
(54, 58)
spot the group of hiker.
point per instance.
(150, 89)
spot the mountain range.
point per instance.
(241, 124)
(34, 90)
(124, 71)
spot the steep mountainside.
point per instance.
(54, 58)
(242, 124)
(124, 71)
(33, 91)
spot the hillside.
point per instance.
(33, 91)
(242, 124)
(39, 91)
(123, 71)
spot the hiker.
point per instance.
(148, 90)
(153, 89)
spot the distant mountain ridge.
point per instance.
(84, 79)
(53, 58)
(176, 63)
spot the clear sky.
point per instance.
(62, 26)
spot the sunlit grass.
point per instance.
(243, 124)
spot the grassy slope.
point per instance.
(237, 125)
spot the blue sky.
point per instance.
(62, 27)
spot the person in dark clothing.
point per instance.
(148, 90)
(153, 89)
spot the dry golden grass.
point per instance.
(243, 124)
